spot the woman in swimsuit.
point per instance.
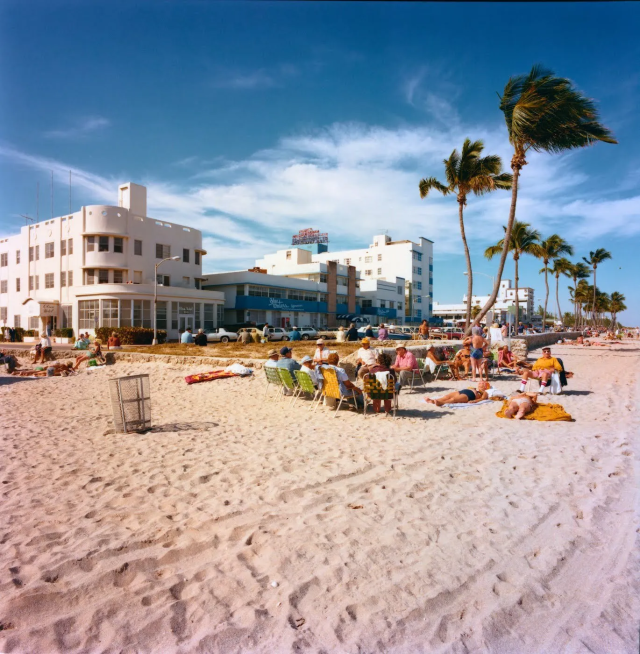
(465, 396)
(520, 405)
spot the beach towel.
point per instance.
(209, 376)
(542, 412)
(239, 369)
(466, 405)
(383, 378)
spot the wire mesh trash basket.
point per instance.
(131, 403)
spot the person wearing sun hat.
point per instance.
(307, 366)
(404, 365)
(367, 357)
(272, 359)
(321, 352)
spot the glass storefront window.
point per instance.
(161, 315)
(109, 313)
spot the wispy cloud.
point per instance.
(83, 128)
(261, 78)
(430, 89)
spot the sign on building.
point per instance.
(308, 236)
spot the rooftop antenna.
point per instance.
(26, 217)
(37, 202)
(52, 193)
(69, 191)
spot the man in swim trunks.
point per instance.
(465, 396)
(520, 405)
(477, 344)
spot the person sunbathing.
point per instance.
(462, 361)
(59, 370)
(95, 353)
(465, 396)
(542, 370)
(520, 405)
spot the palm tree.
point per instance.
(466, 173)
(578, 271)
(616, 305)
(561, 266)
(549, 249)
(543, 113)
(602, 305)
(523, 241)
(583, 293)
(594, 259)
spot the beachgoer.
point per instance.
(187, 336)
(464, 396)
(423, 330)
(307, 366)
(95, 353)
(478, 343)
(368, 332)
(347, 388)
(272, 361)
(287, 361)
(294, 334)
(404, 365)
(201, 338)
(520, 405)
(476, 330)
(245, 337)
(366, 357)
(114, 342)
(265, 333)
(321, 352)
(542, 369)
(340, 334)
(382, 332)
(383, 364)
(462, 359)
(504, 331)
(352, 333)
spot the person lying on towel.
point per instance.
(520, 405)
(465, 396)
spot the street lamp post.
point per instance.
(155, 298)
(491, 277)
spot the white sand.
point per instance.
(247, 526)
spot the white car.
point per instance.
(308, 333)
(278, 334)
(221, 335)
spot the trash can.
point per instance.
(131, 403)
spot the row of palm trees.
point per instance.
(543, 113)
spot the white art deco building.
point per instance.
(95, 268)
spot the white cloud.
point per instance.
(260, 78)
(82, 129)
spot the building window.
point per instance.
(391, 304)
(383, 304)
(185, 255)
(368, 272)
(48, 280)
(161, 315)
(137, 247)
(103, 276)
(70, 278)
(4, 259)
(368, 259)
(266, 291)
(88, 314)
(142, 313)
(31, 250)
(117, 277)
(208, 317)
(118, 244)
(164, 280)
(37, 253)
(288, 254)
(125, 313)
(34, 282)
(17, 321)
(419, 271)
(91, 243)
(70, 246)
(3, 314)
(379, 271)
(419, 285)
(174, 315)
(3, 286)
(63, 277)
(347, 262)
(419, 314)
(197, 258)
(67, 315)
(163, 251)
(17, 256)
(34, 322)
(196, 281)
(109, 313)
(367, 303)
(419, 299)
(186, 281)
(63, 248)
(240, 289)
(399, 306)
(323, 278)
(18, 285)
(48, 250)
(379, 257)
(220, 314)
(103, 244)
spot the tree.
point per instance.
(475, 310)
(543, 113)
(596, 258)
(581, 296)
(466, 173)
(523, 241)
(549, 249)
(616, 305)
(561, 266)
(578, 271)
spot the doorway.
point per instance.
(186, 322)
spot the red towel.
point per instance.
(208, 376)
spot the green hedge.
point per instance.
(131, 335)
(65, 332)
(20, 334)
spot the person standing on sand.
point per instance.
(423, 330)
(477, 353)
(382, 332)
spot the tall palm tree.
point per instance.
(596, 258)
(549, 249)
(466, 173)
(523, 241)
(583, 294)
(543, 113)
(578, 271)
(561, 266)
(616, 305)
(602, 306)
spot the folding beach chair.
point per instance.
(331, 388)
(373, 391)
(273, 379)
(420, 372)
(305, 385)
(288, 383)
(445, 366)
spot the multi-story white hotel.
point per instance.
(506, 299)
(387, 260)
(95, 268)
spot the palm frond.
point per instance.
(429, 183)
(494, 250)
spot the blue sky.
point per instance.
(252, 120)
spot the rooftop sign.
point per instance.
(307, 236)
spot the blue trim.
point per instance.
(379, 311)
(284, 304)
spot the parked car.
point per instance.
(221, 335)
(308, 333)
(392, 335)
(447, 333)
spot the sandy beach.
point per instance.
(241, 524)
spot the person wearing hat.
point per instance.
(321, 352)
(294, 334)
(367, 357)
(352, 333)
(542, 370)
(307, 366)
(272, 361)
(404, 365)
(287, 361)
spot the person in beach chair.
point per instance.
(543, 370)
(464, 396)
(382, 365)
(520, 405)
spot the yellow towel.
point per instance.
(543, 412)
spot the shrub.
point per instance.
(64, 332)
(131, 335)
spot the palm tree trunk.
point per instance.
(515, 258)
(575, 303)
(546, 297)
(558, 301)
(469, 270)
(516, 165)
(594, 297)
